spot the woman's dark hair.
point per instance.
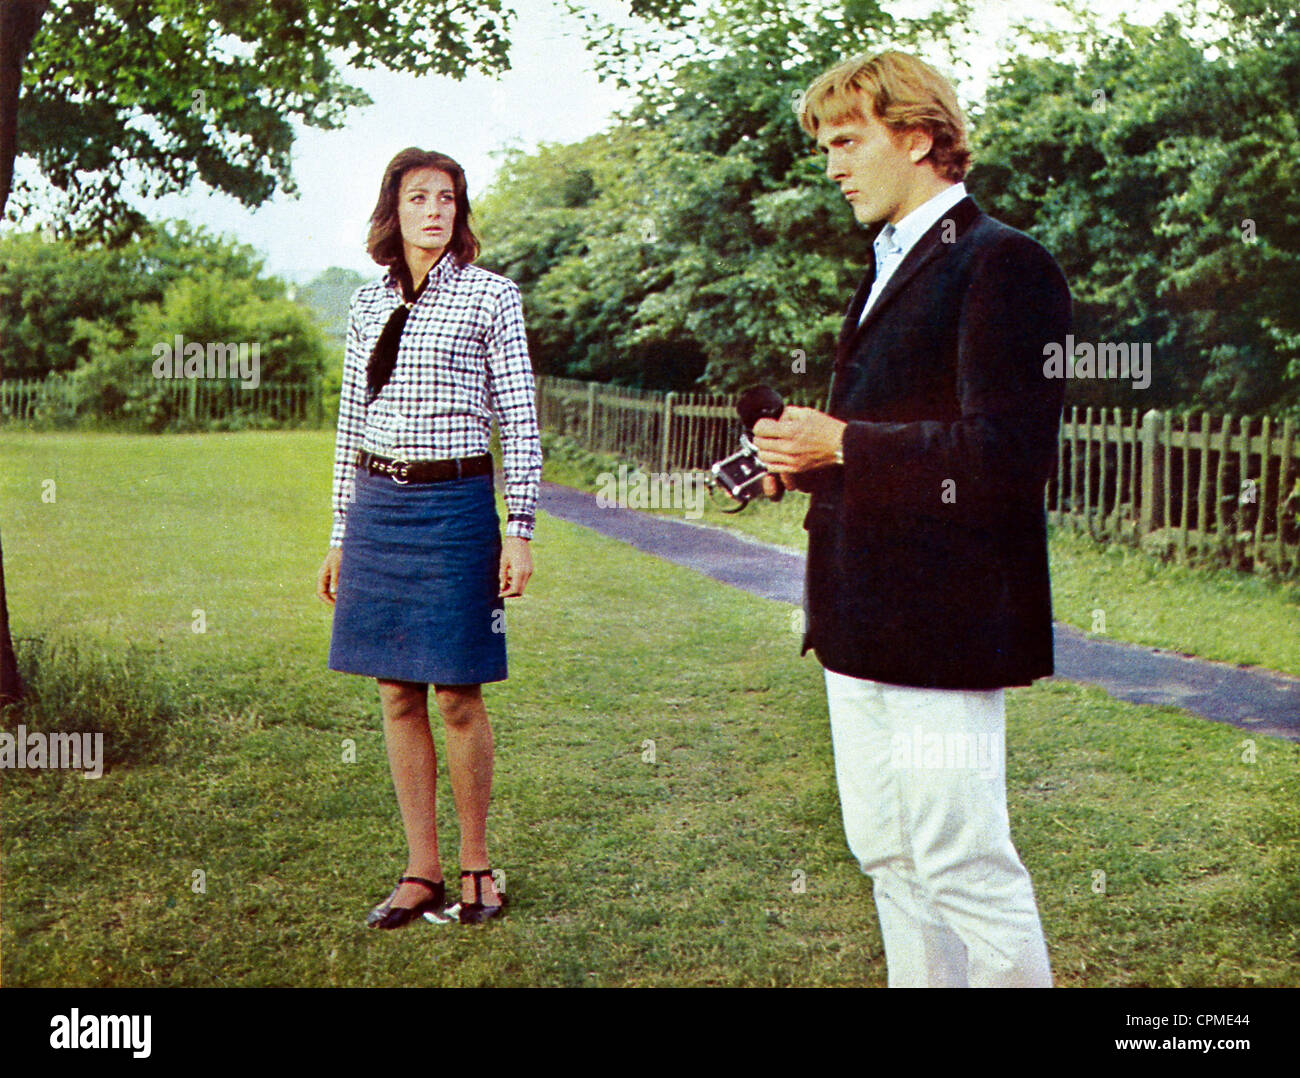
(384, 242)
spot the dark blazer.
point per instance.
(927, 549)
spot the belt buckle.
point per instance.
(396, 466)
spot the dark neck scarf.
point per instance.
(384, 358)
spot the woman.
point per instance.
(417, 570)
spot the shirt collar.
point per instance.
(446, 268)
(903, 236)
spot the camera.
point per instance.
(741, 474)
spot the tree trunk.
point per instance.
(19, 20)
(11, 685)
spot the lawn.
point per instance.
(664, 806)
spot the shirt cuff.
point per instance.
(519, 526)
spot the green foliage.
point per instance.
(95, 313)
(52, 292)
(568, 461)
(1158, 165)
(156, 95)
(697, 244)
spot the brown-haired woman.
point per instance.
(417, 569)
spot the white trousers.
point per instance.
(922, 781)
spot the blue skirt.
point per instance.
(417, 590)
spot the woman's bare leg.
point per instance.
(414, 764)
(469, 760)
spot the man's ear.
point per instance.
(919, 143)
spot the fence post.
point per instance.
(1284, 473)
(667, 433)
(591, 416)
(1149, 516)
(1261, 495)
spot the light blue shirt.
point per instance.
(894, 241)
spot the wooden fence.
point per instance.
(198, 400)
(1190, 485)
(664, 431)
(1194, 487)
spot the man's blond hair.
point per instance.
(903, 93)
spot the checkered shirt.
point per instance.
(463, 357)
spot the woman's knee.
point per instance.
(460, 705)
(404, 701)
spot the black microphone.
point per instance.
(759, 402)
(741, 474)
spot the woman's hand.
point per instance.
(327, 580)
(516, 566)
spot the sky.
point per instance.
(550, 94)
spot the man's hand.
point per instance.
(801, 440)
(775, 486)
(516, 566)
(327, 580)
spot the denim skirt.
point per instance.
(417, 588)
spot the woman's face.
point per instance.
(426, 209)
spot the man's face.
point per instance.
(426, 209)
(872, 166)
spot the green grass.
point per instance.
(621, 871)
(1213, 613)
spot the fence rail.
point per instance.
(199, 400)
(1195, 487)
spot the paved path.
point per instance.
(1248, 697)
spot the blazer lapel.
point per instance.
(855, 306)
(927, 248)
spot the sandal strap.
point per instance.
(419, 879)
(479, 874)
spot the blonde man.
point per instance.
(927, 583)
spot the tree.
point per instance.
(154, 95)
(706, 247)
(1158, 165)
(18, 22)
(51, 289)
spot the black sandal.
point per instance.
(386, 915)
(476, 913)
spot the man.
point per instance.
(927, 583)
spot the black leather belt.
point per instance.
(425, 471)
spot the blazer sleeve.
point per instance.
(1002, 447)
